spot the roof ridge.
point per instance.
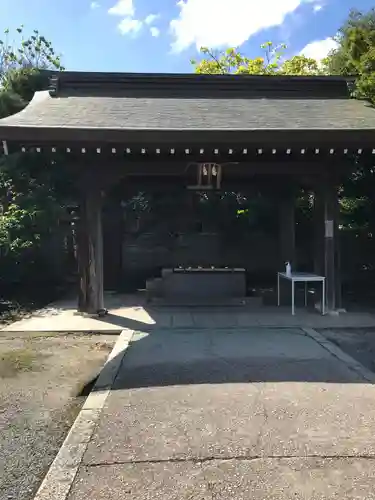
(192, 83)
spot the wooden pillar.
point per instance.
(97, 250)
(318, 231)
(327, 250)
(90, 252)
(338, 279)
(329, 245)
(287, 229)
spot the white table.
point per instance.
(302, 278)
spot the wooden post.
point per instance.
(318, 231)
(331, 254)
(90, 252)
(287, 229)
(338, 279)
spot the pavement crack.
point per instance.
(265, 420)
(218, 458)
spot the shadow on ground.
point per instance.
(124, 323)
(167, 357)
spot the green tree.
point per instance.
(355, 54)
(301, 65)
(32, 193)
(21, 59)
(271, 61)
(355, 57)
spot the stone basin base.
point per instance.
(200, 283)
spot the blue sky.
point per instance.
(163, 35)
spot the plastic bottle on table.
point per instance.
(288, 269)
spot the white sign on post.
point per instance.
(329, 228)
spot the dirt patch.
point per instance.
(40, 396)
(18, 361)
(357, 342)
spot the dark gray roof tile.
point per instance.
(192, 113)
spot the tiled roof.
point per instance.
(193, 103)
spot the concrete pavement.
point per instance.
(231, 413)
(132, 312)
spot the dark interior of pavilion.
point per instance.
(246, 225)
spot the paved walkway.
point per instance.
(232, 414)
(131, 312)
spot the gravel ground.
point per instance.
(357, 342)
(43, 381)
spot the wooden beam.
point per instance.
(302, 138)
(181, 168)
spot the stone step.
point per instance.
(154, 288)
(252, 302)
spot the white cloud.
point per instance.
(94, 5)
(223, 23)
(130, 26)
(151, 18)
(155, 32)
(319, 49)
(123, 8)
(318, 5)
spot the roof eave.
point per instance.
(43, 135)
